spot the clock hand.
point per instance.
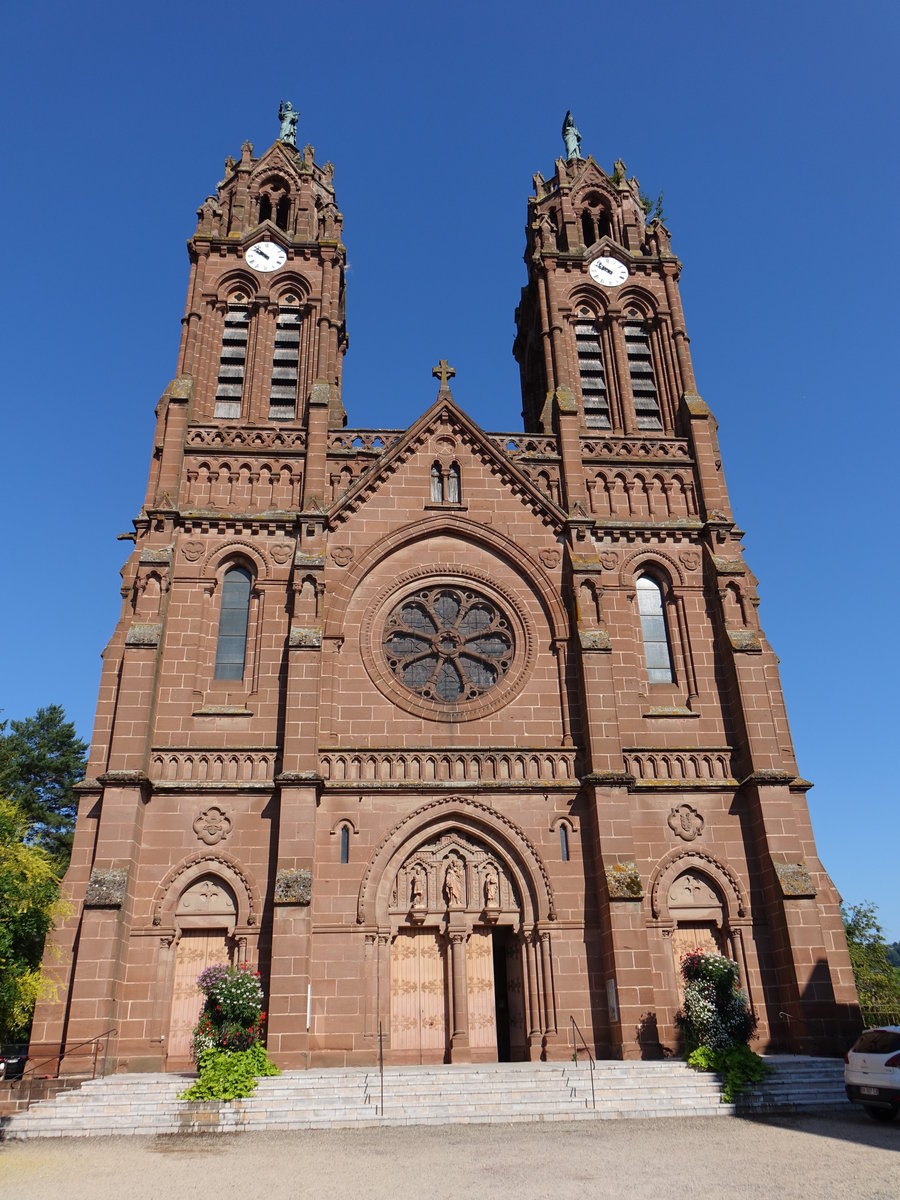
(262, 252)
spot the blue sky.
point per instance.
(771, 130)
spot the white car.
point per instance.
(872, 1072)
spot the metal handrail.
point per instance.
(31, 1071)
(587, 1051)
(381, 1065)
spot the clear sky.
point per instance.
(771, 128)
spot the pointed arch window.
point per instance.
(233, 358)
(640, 369)
(591, 371)
(286, 362)
(231, 646)
(345, 844)
(657, 654)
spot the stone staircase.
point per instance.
(460, 1094)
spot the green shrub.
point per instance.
(738, 1066)
(230, 1074)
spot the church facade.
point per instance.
(456, 736)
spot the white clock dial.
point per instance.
(608, 271)
(265, 256)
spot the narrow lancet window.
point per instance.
(640, 369)
(590, 368)
(233, 360)
(653, 630)
(564, 842)
(345, 844)
(231, 648)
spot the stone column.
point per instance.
(459, 1040)
(533, 1020)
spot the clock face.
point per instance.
(608, 271)
(265, 256)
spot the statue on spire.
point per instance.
(288, 116)
(571, 137)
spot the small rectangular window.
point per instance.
(345, 844)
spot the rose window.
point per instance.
(448, 644)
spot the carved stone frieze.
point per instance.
(594, 639)
(142, 634)
(305, 637)
(624, 881)
(795, 880)
(293, 886)
(745, 641)
(106, 888)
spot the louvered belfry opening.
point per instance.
(640, 368)
(590, 368)
(285, 365)
(232, 361)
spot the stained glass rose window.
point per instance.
(448, 644)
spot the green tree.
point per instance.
(29, 904)
(41, 760)
(877, 981)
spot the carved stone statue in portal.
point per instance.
(454, 873)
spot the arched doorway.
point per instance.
(459, 910)
(205, 919)
(456, 969)
(700, 918)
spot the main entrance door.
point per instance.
(418, 997)
(481, 994)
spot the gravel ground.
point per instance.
(815, 1158)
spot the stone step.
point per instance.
(484, 1093)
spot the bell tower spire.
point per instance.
(264, 324)
(599, 322)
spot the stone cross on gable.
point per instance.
(443, 371)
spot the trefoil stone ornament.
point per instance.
(212, 826)
(685, 822)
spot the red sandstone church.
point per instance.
(455, 735)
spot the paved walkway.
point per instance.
(807, 1158)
